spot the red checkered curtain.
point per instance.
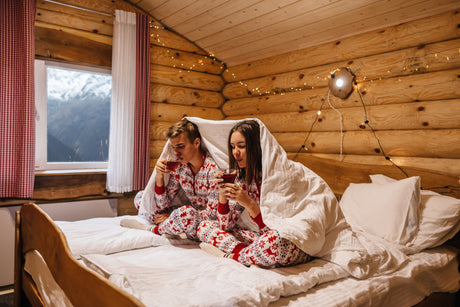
(17, 103)
(141, 163)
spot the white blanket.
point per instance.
(187, 276)
(296, 202)
(174, 276)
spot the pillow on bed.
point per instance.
(104, 235)
(439, 219)
(389, 211)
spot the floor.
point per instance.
(6, 296)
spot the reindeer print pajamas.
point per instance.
(259, 245)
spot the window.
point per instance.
(72, 116)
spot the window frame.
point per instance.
(41, 135)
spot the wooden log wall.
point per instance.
(184, 79)
(409, 79)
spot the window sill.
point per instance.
(70, 172)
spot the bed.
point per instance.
(385, 243)
(139, 273)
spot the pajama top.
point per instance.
(231, 213)
(259, 245)
(199, 188)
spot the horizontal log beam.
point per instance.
(104, 39)
(444, 143)
(73, 18)
(185, 96)
(424, 58)
(411, 34)
(419, 87)
(156, 148)
(172, 113)
(180, 77)
(415, 115)
(163, 37)
(184, 60)
(59, 45)
(53, 187)
(158, 130)
(450, 167)
(339, 175)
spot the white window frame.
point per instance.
(41, 136)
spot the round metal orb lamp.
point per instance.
(341, 82)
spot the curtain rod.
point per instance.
(80, 8)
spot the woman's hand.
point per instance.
(236, 193)
(221, 185)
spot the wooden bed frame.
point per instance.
(36, 230)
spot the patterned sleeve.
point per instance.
(164, 195)
(260, 222)
(228, 214)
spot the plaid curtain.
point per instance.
(141, 156)
(17, 102)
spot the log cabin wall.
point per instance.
(409, 79)
(184, 81)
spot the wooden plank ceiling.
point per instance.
(241, 31)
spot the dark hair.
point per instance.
(251, 132)
(184, 125)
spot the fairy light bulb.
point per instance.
(339, 82)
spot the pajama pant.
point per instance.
(248, 247)
(185, 219)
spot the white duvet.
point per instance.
(296, 202)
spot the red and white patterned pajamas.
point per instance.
(263, 247)
(201, 191)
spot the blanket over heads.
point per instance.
(296, 202)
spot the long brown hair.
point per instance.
(251, 132)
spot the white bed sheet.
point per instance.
(186, 276)
(427, 272)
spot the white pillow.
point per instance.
(389, 211)
(439, 218)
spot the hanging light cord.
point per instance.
(309, 132)
(366, 121)
(341, 120)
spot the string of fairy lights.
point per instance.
(283, 91)
(182, 67)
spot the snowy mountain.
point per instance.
(68, 85)
(78, 112)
